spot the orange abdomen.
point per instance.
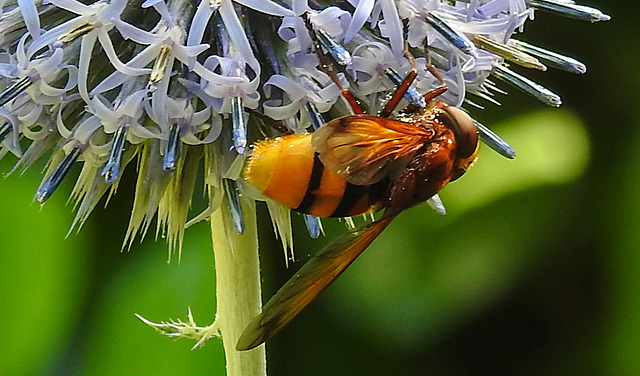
(287, 170)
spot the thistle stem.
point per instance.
(238, 290)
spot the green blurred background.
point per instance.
(535, 270)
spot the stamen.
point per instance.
(313, 225)
(538, 91)
(435, 203)
(160, 65)
(494, 141)
(75, 33)
(508, 52)
(412, 95)
(570, 10)
(459, 41)
(53, 181)
(173, 149)
(314, 115)
(550, 58)
(233, 204)
(5, 129)
(111, 170)
(14, 90)
(239, 121)
(339, 53)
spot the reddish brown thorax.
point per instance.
(445, 156)
(428, 171)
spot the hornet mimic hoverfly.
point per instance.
(353, 165)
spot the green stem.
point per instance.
(238, 290)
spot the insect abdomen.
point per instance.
(287, 170)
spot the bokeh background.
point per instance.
(535, 270)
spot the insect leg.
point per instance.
(431, 94)
(327, 67)
(402, 88)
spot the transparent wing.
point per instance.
(318, 273)
(363, 149)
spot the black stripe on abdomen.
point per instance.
(353, 196)
(314, 183)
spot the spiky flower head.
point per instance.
(169, 84)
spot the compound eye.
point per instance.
(465, 132)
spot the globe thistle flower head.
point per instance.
(101, 82)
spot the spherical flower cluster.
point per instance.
(108, 83)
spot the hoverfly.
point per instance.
(354, 165)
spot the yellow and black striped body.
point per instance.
(288, 170)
